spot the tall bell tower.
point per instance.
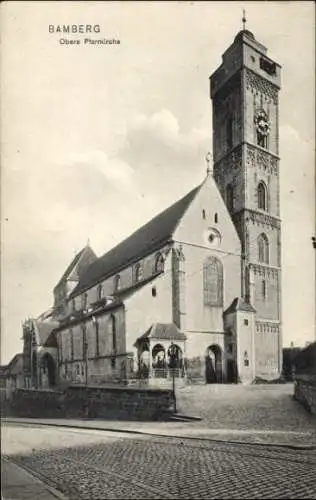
(245, 94)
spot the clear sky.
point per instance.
(98, 139)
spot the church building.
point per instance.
(196, 291)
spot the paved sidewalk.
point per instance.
(191, 430)
(18, 484)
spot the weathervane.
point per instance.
(208, 159)
(244, 20)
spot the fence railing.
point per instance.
(167, 372)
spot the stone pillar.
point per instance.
(178, 288)
(251, 281)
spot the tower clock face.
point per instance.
(262, 123)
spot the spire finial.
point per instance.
(244, 20)
(208, 159)
(88, 242)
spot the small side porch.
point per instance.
(161, 355)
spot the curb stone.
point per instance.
(35, 477)
(148, 433)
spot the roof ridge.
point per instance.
(144, 240)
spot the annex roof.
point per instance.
(15, 365)
(163, 331)
(239, 304)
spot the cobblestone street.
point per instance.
(258, 407)
(99, 465)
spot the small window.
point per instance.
(216, 218)
(113, 363)
(262, 196)
(159, 263)
(84, 300)
(246, 359)
(100, 292)
(203, 214)
(78, 369)
(138, 272)
(245, 322)
(117, 283)
(154, 291)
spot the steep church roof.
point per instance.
(15, 366)
(145, 240)
(73, 270)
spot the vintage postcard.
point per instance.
(158, 246)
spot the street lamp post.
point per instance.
(86, 361)
(173, 362)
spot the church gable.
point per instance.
(207, 222)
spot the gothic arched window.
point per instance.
(262, 196)
(100, 292)
(117, 283)
(97, 337)
(138, 272)
(84, 300)
(230, 197)
(71, 335)
(159, 263)
(113, 332)
(263, 249)
(213, 282)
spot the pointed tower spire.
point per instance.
(244, 20)
(208, 158)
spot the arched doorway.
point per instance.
(159, 361)
(49, 369)
(175, 360)
(213, 365)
